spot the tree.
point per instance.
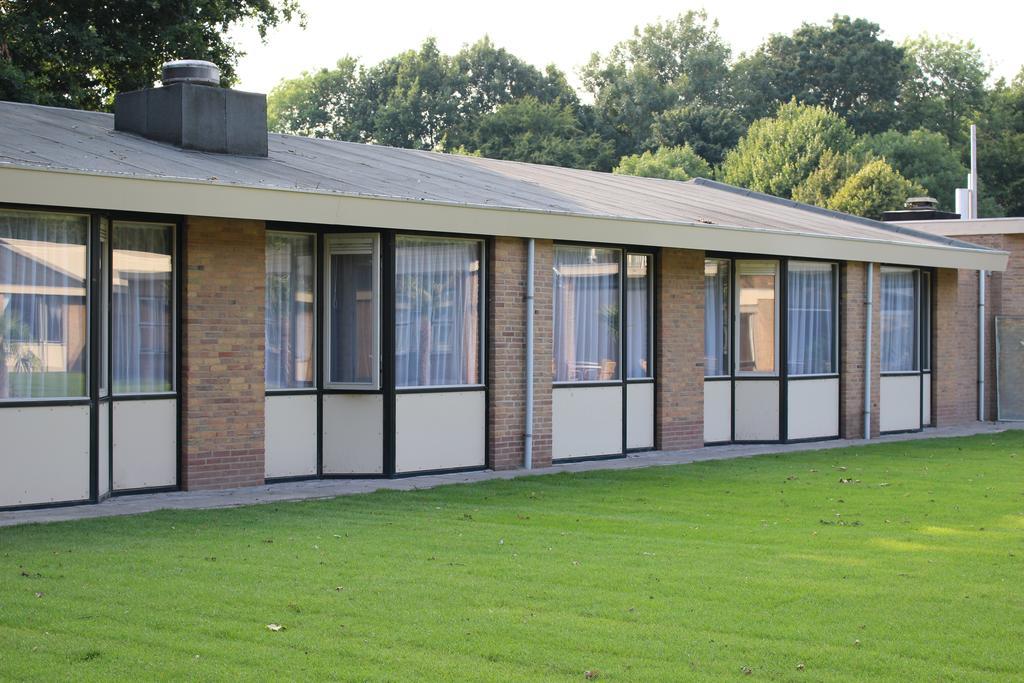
(1001, 150)
(946, 86)
(779, 153)
(710, 130)
(875, 188)
(80, 53)
(673, 163)
(833, 170)
(845, 66)
(922, 156)
(541, 133)
(324, 104)
(664, 65)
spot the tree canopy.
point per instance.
(673, 163)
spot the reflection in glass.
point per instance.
(756, 326)
(288, 312)
(586, 314)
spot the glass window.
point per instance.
(756, 339)
(142, 308)
(437, 311)
(926, 320)
(638, 312)
(899, 320)
(716, 317)
(352, 323)
(104, 277)
(43, 267)
(586, 314)
(290, 259)
(811, 329)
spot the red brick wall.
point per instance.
(222, 354)
(955, 346)
(852, 322)
(506, 355)
(679, 364)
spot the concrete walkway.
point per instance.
(329, 488)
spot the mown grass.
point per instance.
(902, 561)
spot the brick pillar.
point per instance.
(956, 343)
(222, 354)
(506, 322)
(679, 366)
(853, 326)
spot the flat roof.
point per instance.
(968, 227)
(63, 157)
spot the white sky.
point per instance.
(566, 32)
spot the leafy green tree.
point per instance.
(779, 153)
(664, 65)
(946, 86)
(541, 133)
(80, 53)
(673, 163)
(324, 104)
(711, 130)
(875, 188)
(922, 156)
(832, 172)
(846, 66)
(1001, 150)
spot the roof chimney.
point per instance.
(192, 111)
(919, 209)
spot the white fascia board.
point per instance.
(197, 198)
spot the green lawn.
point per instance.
(902, 561)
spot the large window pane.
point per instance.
(353, 311)
(926, 320)
(638, 309)
(899, 321)
(289, 311)
(43, 266)
(812, 335)
(716, 317)
(437, 312)
(756, 338)
(142, 294)
(586, 293)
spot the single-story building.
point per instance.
(187, 302)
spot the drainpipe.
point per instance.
(869, 309)
(528, 435)
(981, 345)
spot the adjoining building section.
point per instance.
(182, 307)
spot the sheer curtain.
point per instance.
(141, 308)
(437, 312)
(586, 314)
(812, 331)
(289, 311)
(898, 321)
(43, 272)
(716, 317)
(638, 326)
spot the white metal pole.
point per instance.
(528, 432)
(869, 307)
(974, 171)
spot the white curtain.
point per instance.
(586, 315)
(638, 302)
(812, 331)
(43, 268)
(898, 321)
(437, 312)
(716, 317)
(289, 311)
(141, 308)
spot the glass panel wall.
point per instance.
(899, 320)
(638, 313)
(717, 290)
(756, 338)
(926, 320)
(811, 303)
(352, 324)
(586, 314)
(290, 281)
(142, 308)
(437, 311)
(43, 288)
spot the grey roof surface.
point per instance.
(79, 141)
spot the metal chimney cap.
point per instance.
(921, 203)
(196, 71)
